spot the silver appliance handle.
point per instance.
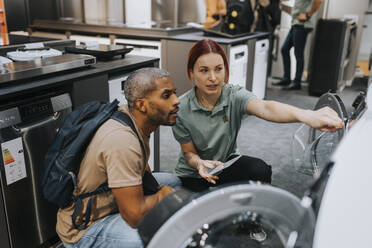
(39, 123)
(276, 42)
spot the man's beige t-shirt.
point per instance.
(114, 155)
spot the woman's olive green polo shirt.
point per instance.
(213, 132)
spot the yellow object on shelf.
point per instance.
(214, 8)
(363, 65)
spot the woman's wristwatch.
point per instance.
(307, 16)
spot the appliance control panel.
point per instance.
(91, 61)
(36, 109)
(9, 117)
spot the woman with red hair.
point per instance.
(210, 116)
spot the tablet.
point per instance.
(218, 169)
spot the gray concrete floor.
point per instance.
(268, 141)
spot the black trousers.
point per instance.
(245, 169)
(296, 38)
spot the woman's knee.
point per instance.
(259, 169)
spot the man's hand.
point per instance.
(302, 17)
(324, 119)
(164, 191)
(204, 166)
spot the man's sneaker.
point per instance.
(282, 83)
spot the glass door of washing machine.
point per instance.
(311, 148)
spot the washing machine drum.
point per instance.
(243, 215)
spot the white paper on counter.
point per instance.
(14, 160)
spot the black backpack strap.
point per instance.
(124, 119)
(149, 184)
(79, 201)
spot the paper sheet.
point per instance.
(13, 160)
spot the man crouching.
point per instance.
(115, 156)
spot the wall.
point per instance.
(366, 43)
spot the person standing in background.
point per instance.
(119, 156)
(267, 19)
(303, 22)
(267, 15)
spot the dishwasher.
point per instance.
(28, 126)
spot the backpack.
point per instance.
(63, 158)
(268, 17)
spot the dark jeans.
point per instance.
(246, 168)
(296, 38)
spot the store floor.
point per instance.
(268, 141)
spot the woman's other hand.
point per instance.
(204, 166)
(324, 119)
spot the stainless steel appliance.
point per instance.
(27, 69)
(100, 51)
(155, 30)
(71, 10)
(175, 12)
(27, 128)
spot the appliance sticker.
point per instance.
(14, 160)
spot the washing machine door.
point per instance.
(243, 215)
(311, 148)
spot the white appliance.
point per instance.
(147, 48)
(95, 11)
(89, 40)
(138, 15)
(238, 65)
(260, 68)
(116, 91)
(345, 218)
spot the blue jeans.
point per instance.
(296, 38)
(112, 231)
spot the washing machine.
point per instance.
(238, 60)
(334, 211)
(241, 215)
